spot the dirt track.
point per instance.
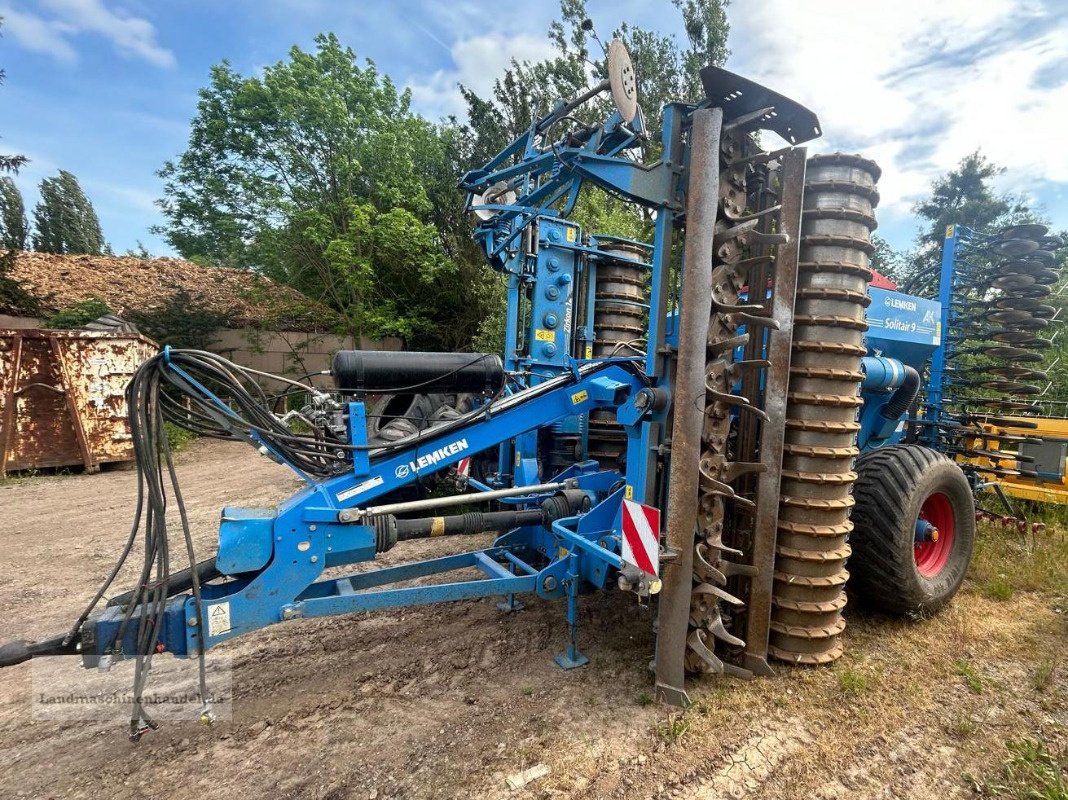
(448, 701)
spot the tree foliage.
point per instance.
(963, 196)
(64, 220)
(14, 229)
(318, 174)
(666, 71)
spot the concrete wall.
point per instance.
(291, 353)
(18, 323)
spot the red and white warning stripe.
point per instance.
(463, 467)
(641, 536)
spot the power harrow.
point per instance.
(681, 419)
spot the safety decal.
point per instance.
(219, 619)
(641, 536)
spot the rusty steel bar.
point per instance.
(7, 426)
(766, 513)
(689, 404)
(76, 420)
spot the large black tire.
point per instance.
(887, 571)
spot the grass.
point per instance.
(673, 728)
(645, 699)
(178, 438)
(1031, 772)
(998, 589)
(852, 681)
(971, 676)
(1007, 561)
(1044, 673)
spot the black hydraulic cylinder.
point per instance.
(178, 582)
(473, 522)
(389, 371)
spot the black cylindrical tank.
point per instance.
(388, 371)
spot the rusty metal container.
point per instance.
(62, 397)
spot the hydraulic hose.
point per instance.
(905, 394)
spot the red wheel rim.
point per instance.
(932, 557)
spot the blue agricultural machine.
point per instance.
(682, 419)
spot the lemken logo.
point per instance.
(905, 305)
(430, 459)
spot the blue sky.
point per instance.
(106, 88)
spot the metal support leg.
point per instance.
(572, 658)
(510, 603)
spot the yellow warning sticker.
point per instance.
(589, 351)
(629, 492)
(949, 231)
(578, 397)
(543, 335)
(571, 234)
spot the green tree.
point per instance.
(64, 220)
(963, 196)
(666, 71)
(14, 230)
(317, 173)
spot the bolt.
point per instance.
(549, 583)
(311, 527)
(192, 622)
(314, 559)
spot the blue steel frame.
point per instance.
(278, 557)
(306, 535)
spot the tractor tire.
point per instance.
(896, 488)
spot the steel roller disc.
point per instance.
(1032, 324)
(622, 80)
(1013, 353)
(1011, 337)
(1046, 276)
(1044, 257)
(1008, 317)
(1014, 281)
(1051, 242)
(1016, 247)
(1028, 230)
(1039, 290)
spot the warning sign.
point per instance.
(218, 619)
(641, 536)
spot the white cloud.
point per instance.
(917, 85)
(130, 35)
(477, 61)
(38, 35)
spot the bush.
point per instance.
(78, 315)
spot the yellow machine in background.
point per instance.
(1041, 457)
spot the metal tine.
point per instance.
(739, 402)
(719, 630)
(752, 363)
(696, 643)
(732, 470)
(715, 591)
(719, 487)
(759, 214)
(716, 543)
(727, 345)
(767, 322)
